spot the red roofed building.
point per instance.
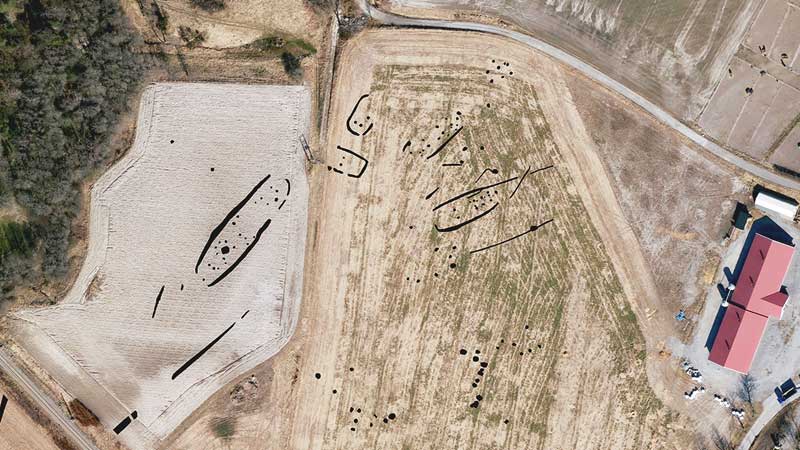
(759, 294)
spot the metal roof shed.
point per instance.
(772, 203)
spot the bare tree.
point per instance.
(721, 442)
(789, 429)
(747, 386)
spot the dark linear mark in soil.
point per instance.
(472, 191)
(281, 205)
(452, 164)
(244, 253)
(202, 352)
(288, 186)
(531, 229)
(158, 299)
(216, 231)
(494, 171)
(528, 172)
(353, 113)
(406, 145)
(3, 403)
(520, 182)
(122, 425)
(466, 222)
(441, 147)
(428, 197)
(245, 313)
(363, 168)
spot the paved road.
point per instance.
(588, 70)
(44, 402)
(771, 409)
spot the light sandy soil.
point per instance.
(673, 53)
(199, 150)
(553, 313)
(775, 28)
(757, 123)
(788, 153)
(751, 122)
(15, 420)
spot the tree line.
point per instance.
(67, 71)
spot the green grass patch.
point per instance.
(273, 44)
(224, 428)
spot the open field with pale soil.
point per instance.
(757, 103)
(15, 419)
(673, 53)
(194, 267)
(788, 153)
(414, 334)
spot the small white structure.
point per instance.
(771, 203)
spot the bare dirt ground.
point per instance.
(756, 123)
(672, 53)
(677, 201)
(385, 315)
(199, 150)
(788, 153)
(15, 419)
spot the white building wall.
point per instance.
(769, 203)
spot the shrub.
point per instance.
(191, 37)
(209, 5)
(291, 64)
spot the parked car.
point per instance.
(785, 390)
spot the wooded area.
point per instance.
(67, 71)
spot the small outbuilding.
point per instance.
(777, 204)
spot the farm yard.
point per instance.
(194, 268)
(472, 282)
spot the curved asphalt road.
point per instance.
(594, 74)
(37, 395)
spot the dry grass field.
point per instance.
(196, 245)
(674, 53)
(678, 202)
(413, 334)
(239, 23)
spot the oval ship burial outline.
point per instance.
(233, 239)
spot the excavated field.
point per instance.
(674, 53)
(194, 266)
(412, 335)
